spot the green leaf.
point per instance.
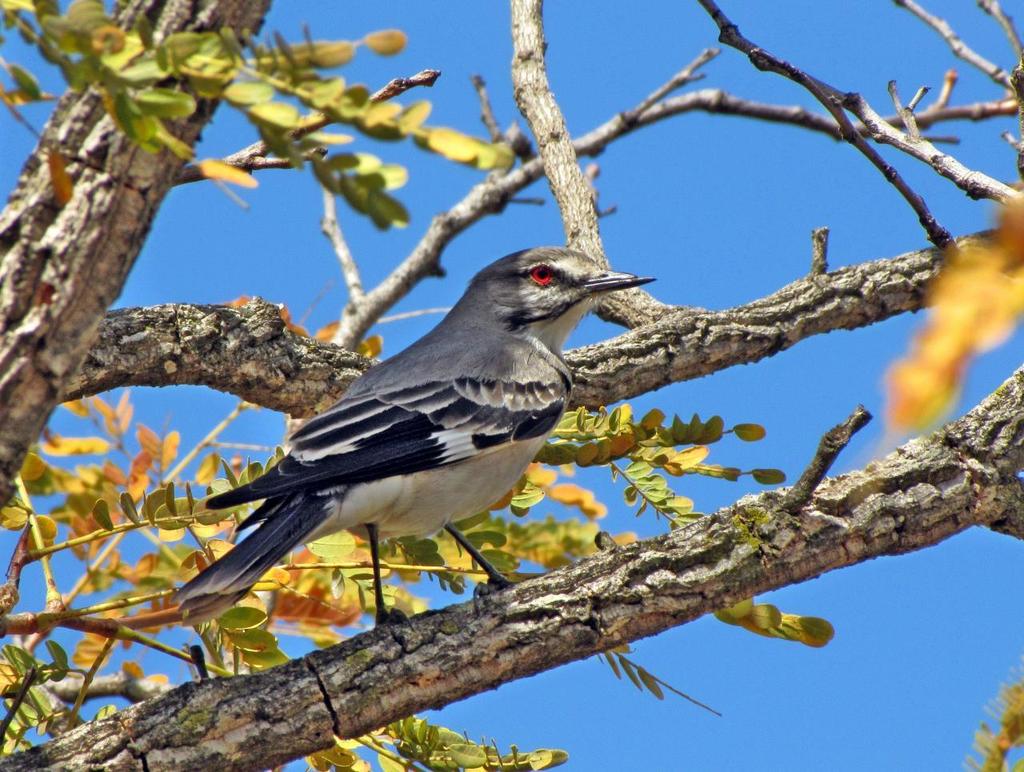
(26, 82)
(128, 507)
(277, 114)
(712, 430)
(769, 476)
(547, 758)
(142, 73)
(252, 640)
(749, 432)
(165, 103)
(467, 755)
(386, 211)
(57, 654)
(334, 548)
(651, 683)
(242, 618)
(248, 93)
(101, 514)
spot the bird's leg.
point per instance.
(383, 615)
(496, 579)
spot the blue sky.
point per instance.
(720, 209)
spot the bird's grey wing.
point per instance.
(406, 430)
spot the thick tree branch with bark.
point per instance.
(65, 263)
(925, 491)
(249, 352)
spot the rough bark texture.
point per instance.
(62, 266)
(246, 351)
(925, 491)
(249, 352)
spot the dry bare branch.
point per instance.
(956, 45)
(561, 166)
(833, 101)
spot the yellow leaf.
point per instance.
(208, 469)
(686, 459)
(386, 42)
(78, 407)
(13, 518)
(32, 468)
(213, 169)
(47, 528)
(452, 144)
(55, 445)
(169, 450)
(132, 669)
(273, 580)
(372, 346)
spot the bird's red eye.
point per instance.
(542, 274)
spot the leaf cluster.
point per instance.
(282, 87)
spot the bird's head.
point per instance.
(545, 291)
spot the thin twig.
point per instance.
(331, 228)
(19, 559)
(686, 75)
(486, 111)
(1017, 82)
(396, 86)
(413, 314)
(995, 10)
(956, 45)
(90, 674)
(829, 448)
(819, 251)
(836, 102)
(948, 83)
(15, 706)
(906, 114)
(254, 157)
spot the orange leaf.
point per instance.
(148, 440)
(63, 187)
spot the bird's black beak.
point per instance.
(612, 280)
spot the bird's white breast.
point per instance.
(422, 503)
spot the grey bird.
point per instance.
(436, 433)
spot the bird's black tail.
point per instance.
(282, 524)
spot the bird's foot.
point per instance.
(391, 616)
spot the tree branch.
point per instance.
(246, 351)
(113, 685)
(254, 157)
(65, 263)
(960, 49)
(924, 492)
(575, 199)
(249, 352)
